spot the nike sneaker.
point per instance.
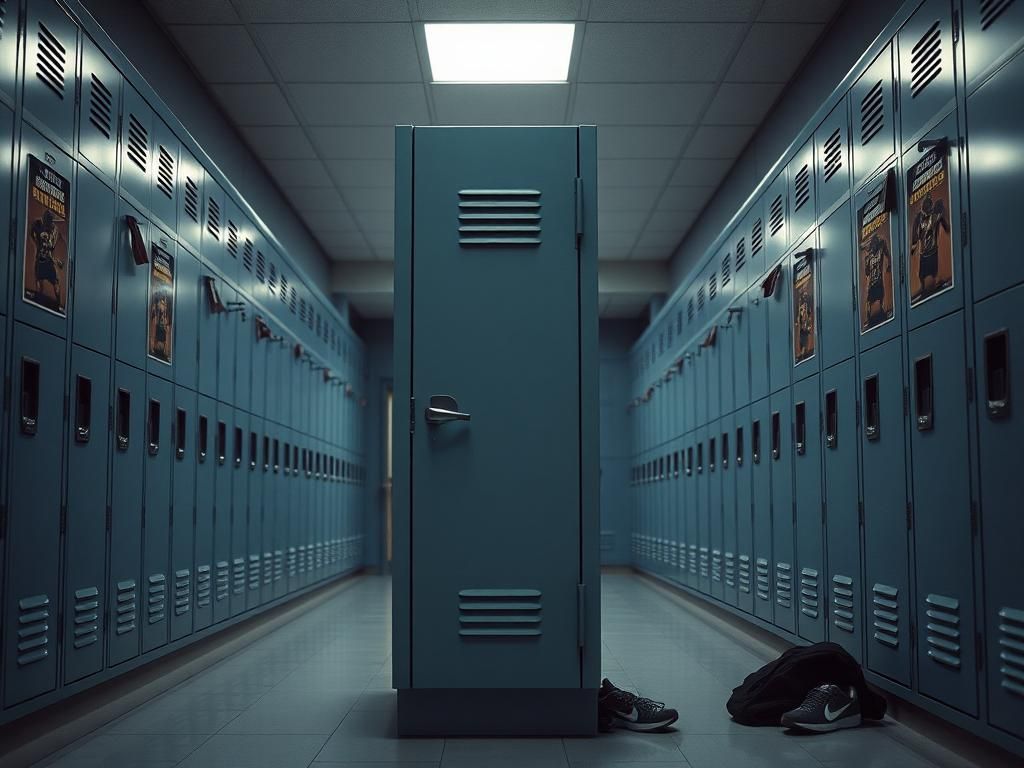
(826, 708)
(627, 710)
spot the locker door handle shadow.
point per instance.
(442, 409)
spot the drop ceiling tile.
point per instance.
(638, 141)
(685, 198)
(615, 241)
(742, 103)
(640, 104)
(613, 253)
(626, 198)
(700, 172)
(369, 198)
(193, 11)
(672, 10)
(298, 173)
(365, 141)
(318, 11)
(314, 198)
(506, 10)
(714, 141)
(338, 240)
(620, 221)
(254, 104)
(277, 142)
(360, 252)
(663, 52)
(328, 221)
(459, 104)
(375, 220)
(338, 53)
(771, 53)
(663, 239)
(362, 173)
(361, 103)
(650, 172)
(384, 239)
(670, 221)
(799, 10)
(653, 253)
(221, 53)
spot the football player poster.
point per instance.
(928, 230)
(161, 304)
(803, 308)
(874, 257)
(46, 268)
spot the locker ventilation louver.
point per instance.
(165, 173)
(51, 57)
(213, 218)
(992, 10)
(203, 587)
(689, 310)
(247, 255)
(833, 154)
(741, 254)
(238, 576)
(886, 613)
(292, 299)
(182, 592)
(693, 560)
(232, 239)
(499, 217)
(744, 574)
(268, 568)
(705, 563)
(926, 60)
(730, 570)
(278, 565)
(756, 237)
(254, 572)
(763, 579)
(192, 199)
(943, 627)
(872, 114)
(716, 565)
(784, 584)
(492, 613)
(156, 598)
(801, 188)
(126, 606)
(293, 562)
(272, 280)
(87, 617)
(843, 605)
(223, 585)
(726, 270)
(712, 287)
(776, 219)
(261, 267)
(33, 629)
(138, 143)
(3, 17)
(809, 600)
(700, 298)
(101, 104)
(284, 288)
(302, 311)
(1011, 650)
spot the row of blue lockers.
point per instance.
(829, 449)
(183, 419)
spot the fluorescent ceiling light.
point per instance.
(499, 53)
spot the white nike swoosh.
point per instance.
(631, 716)
(830, 715)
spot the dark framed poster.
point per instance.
(931, 242)
(874, 255)
(804, 335)
(47, 257)
(161, 305)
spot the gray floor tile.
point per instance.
(680, 763)
(866, 747)
(525, 751)
(744, 751)
(149, 720)
(355, 748)
(624, 746)
(109, 749)
(251, 751)
(312, 712)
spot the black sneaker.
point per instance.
(826, 708)
(628, 710)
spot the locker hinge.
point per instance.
(581, 594)
(970, 384)
(979, 651)
(860, 512)
(910, 515)
(913, 635)
(63, 518)
(974, 518)
(579, 210)
(956, 27)
(824, 512)
(144, 515)
(67, 406)
(963, 229)
(906, 401)
(856, 414)
(110, 516)
(412, 415)
(110, 418)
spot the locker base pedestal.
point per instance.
(497, 712)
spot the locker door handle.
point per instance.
(29, 396)
(154, 427)
(180, 428)
(444, 408)
(801, 429)
(135, 238)
(831, 419)
(124, 415)
(83, 408)
(997, 374)
(924, 394)
(776, 436)
(872, 426)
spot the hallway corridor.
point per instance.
(318, 693)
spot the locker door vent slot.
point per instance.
(1011, 653)
(101, 103)
(693, 560)
(3, 17)
(138, 143)
(213, 218)
(756, 237)
(192, 199)
(223, 583)
(872, 114)
(716, 565)
(491, 613)
(33, 629)
(278, 564)
(726, 270)
(801, 188)
(182, 592)
(272, 279)
(886, 613)
(254, 572)
(776, 218)
(165, 172)
(809, 600)
(689, 311)
(232, 239)
(292, 300)
(700, 299)
(247, 255)
(943, 628)
(261, 267)
(712, 286)
(284, 288)
(744, 574)
(293, 562)
(87, 617)
(763, 579)
(238, 576)
(843, 606)
(126, 606)
(784, 584)
(833, 154)
(926, 60)
(499, 217)
(156, 599)
(51, 58)
(203, 588)
(741, 254)
(268, 568)
(992, 10)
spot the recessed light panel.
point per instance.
(499, 53)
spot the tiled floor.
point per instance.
(318, 693)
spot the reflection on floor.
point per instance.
(318, 693)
